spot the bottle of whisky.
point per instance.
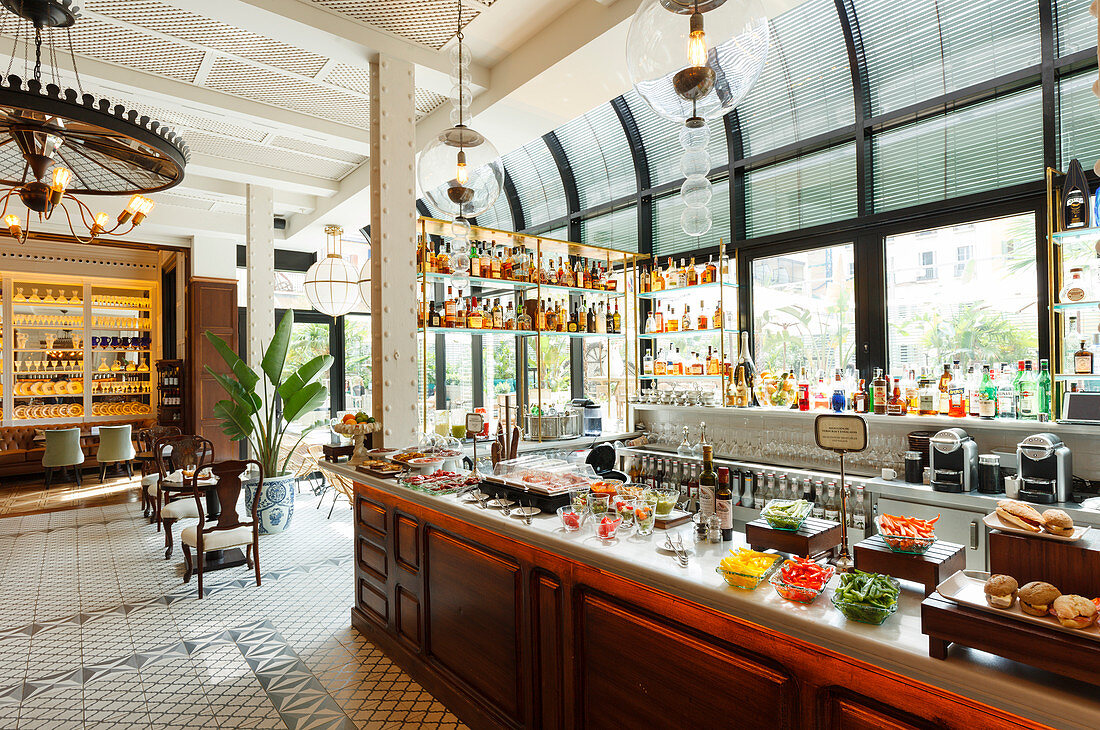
(618, 320)
(1082, 360)
(879, 399)
(1075, 198)
(702, 323)
(744, 374)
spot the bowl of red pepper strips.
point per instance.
(908, 535)
(801, 579)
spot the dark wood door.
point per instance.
(211, 305)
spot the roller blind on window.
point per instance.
(538, 182)
(599, 156)
(1074, 26)
(618, 230)
(980, 147)
(806, 86)
(661, 139)
(1078, 120)
(669, 238)
(922, 49)
(803, 192)
(498, 216)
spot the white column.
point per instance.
(393, 253)
(260, 260)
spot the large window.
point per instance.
(357, 363)
(804, 311)
(498, 367)
(964, 292)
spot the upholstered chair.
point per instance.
(115, 447)
(229, 530)
(62, 451)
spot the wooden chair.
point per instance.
(229, 531)
(176, 452)
(146, 438)
(341, 486)
(303, 465)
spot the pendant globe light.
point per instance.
(460, 171)
(331, 284)
(693, 61)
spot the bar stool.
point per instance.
(115, 447)
(62, 451)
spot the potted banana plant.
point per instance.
(246, 415)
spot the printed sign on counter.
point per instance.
(841, 433)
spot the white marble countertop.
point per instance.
(898, 645)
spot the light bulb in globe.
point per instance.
(460, 172)
(696, 58)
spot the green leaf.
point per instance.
(246, 375)
(304, 375)
(245, 398)
(303, 401)
(275, 357)
(235, 421)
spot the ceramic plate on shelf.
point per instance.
(994, 522)
(967, 588)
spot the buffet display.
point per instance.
(78, 349)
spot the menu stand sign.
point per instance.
(475, 423)
(841, 434)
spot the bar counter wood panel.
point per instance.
(511, 636)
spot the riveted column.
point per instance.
(260, 260)
(393, 252)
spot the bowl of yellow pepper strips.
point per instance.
(744, 568)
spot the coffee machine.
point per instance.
(1044, 468)
(953, 458)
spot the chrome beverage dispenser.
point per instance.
(953, 458)
(1044, 468)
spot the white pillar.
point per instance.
(393, 253)
(260, 260)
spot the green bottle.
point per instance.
(1042, 391)
(987, 396)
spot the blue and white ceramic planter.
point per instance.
(276, 502)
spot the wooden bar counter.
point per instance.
(517, 626)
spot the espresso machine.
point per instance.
(1044, 468)
(953, 458)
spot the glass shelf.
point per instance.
(681, 377)
(1072, 378)
(468, 331)
(1077, 234)
(507, 284)
(683, 333)
(683, 292)
(1070, 306)
(581, 334)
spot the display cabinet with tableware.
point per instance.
(485, 283)
(686, 334)
(77, 349)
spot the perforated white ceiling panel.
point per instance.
(173, 21)
(279, 159)
(430, 22)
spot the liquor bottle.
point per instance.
(495, 262)
(803, 391)
(1073, 335)
(692, 274)
(927, 395)
(701, 324)
(709, 271)
(473, 319)
(972, 383)
(697, 367)
(660, 366)
(708, 478)
(839, 400)
(910, 389)
(860, 401)
(460, 313)
(607, 318)
(944, 388)
(956, 393)
(658, 317)
(433, 316)
(1006, 393)
(443, 262)
(451, 309)
(508, 265)
(509, 317)
(859, 511)
(897, 405)
(580, 275)
(1094, 348)
(685, 321)
(723, 498)
(672, 324)
(1042, 389)
(879, 400)
(1027, 408)
(591, 325)
(987, 396)
(681, 274)
(819, 395)
(745, 372)
(658, 278)
(523, 320)
(497, 314)
(717, 318)
(1075, 198)
(832, 505)
(1076, 288)
(573, 320)
(618, 320)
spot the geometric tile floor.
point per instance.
(97, 630)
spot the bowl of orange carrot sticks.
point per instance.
(909, 535)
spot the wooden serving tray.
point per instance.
(1044, 647)
(675, 518)
(376, 474)
(941, 561)
(1071, 567)
(814, 537)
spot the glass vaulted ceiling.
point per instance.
(928, 99)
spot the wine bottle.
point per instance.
(1075, 198)
(745, 373)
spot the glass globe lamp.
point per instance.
(696, 58)
(460, 172)
(332, 285)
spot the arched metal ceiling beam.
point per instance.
(509, 191)
(857, 64)
(735, 145)
(568, 182)
(641, 173)
(422, 209)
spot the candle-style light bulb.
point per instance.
(697, 41)
(462, 175)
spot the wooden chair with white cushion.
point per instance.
(229, 531)
(147, 438)
(178, 452)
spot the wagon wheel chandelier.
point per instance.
(56, 144)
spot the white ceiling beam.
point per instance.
(252, 173)
(332, 35)
(101, 78)
(231, 191)
(349, 207)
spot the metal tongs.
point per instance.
(678, 548)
